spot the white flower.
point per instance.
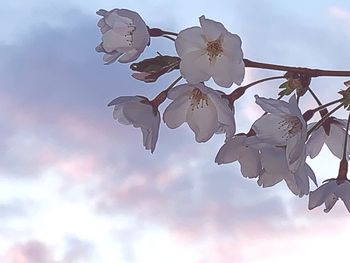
(283, 126)
(125, 35)
(235, 149)
(275, 169)
(210, 51)
(334, 139)
(138, 111)
(204, 109)
(329, 193)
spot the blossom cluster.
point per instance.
(277, 146)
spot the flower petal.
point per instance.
(267, 130)
(203, 121)
(226, 71)
(150, 135)
(189, 40)
(194, 67)
(181, 90)
(335, 141)
(230, 151)
(344, 194)
(319, 196)
(315, 143)
(232, 47)
(175, 114)
(278, 107)
(211, 29)
(250, 162)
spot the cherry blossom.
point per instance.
(124, 35)
(210, 51)
(138, 111)
(275, 169)
(334, 139)
(235, 149)
(329, 193)
(283, 126)
(204, 109)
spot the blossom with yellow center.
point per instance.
(210, 51)
(124, 35)
(205, 110)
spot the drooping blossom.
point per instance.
(138, 111)
(283, 126)
(210, 51)
(124, 35)
(334, 138)
(205, 110)
(329, 193)
(235, 149)
(275, 169)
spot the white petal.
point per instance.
(267, 129)
(295, 152)
(181, 90)
(189, 40)
(344, 194)
(112, 41)
(129, 56)
(232, 47)
(273, 160)
(310, 173)
(330, 202)
(278, 107)
(175, 114)
(315, 143)
(267, 179)
(250, 162)
(225, 113)
(140, 35)
(150, 135)
(335, 140)
(225, 71)
(110, 58)
(211, 29)
(141, 115)
(113, 18)
(319, 196)
(230, 151)
(302, 181)
(194, 67)
(292, 184)
(203, 121)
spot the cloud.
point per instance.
(32, 251)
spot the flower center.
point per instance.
(290, 126)
(198, 99)
(214, 49)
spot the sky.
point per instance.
(76, 186)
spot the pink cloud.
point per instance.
(32, 251)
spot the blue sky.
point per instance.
(78, 187)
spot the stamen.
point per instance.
(198, 99)
(291, 126)
(214, 49)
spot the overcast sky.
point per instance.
(75, 186)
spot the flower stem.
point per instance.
(321, 107)
(237, 93)
(324, 118)
(161, 97)
(300, 70)
(170, 33)
(169, 37)
(314, 96)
